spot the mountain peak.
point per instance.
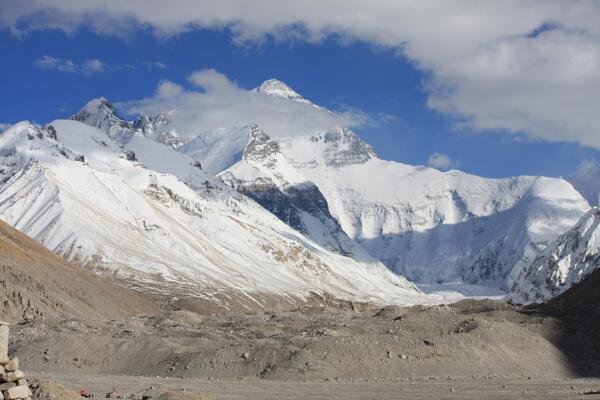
(101, 114)
(93, 109)
(275, 87)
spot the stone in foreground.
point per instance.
(3, 342)
(17, 392)
(12, 366)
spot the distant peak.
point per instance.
(275, 87)
(93, 109)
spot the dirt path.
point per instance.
(467, 388)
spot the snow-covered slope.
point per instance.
(567, 261)
(433, 227)
(135, 208)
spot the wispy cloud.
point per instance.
(87, 67)
(4, 126)
(92, 66)
(154, 65)
(441, 161)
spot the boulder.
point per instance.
(3, 342)
(17, 392)
(7, 385)
(14, 376)
(12, 365)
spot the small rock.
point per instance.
(22, 382)
(389, 354)
(428, 342)
(7, 385)
(14, 376)
(246, 356)
(12, 365)
(403, 356)
(85, 393)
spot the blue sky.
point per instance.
(375, 79)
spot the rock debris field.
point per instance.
(472, 349)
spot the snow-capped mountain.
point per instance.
(120, 203)
(429, 226)
(432, 227)
(565, 262)
(101, 114)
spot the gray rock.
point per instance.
(3, 342)
(7, 385)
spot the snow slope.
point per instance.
(567, 261)
(133, 207)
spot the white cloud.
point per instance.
(4, 126)
(441, 161)
(215, 102)
(512, 65)
(87, 67)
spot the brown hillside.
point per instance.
(35, 283)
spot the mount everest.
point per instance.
(238, 209)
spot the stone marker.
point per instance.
(7, 385)
(17, 392)
(12, 365)
(15, 376)
(3, 342)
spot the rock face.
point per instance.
(565, 262)
(300, 204)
